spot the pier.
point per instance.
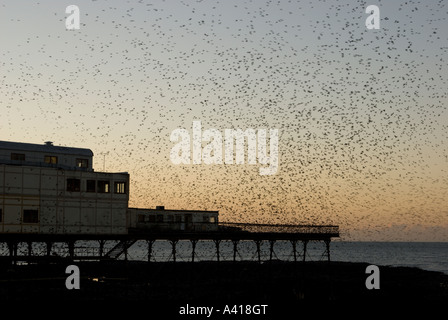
(56, 247)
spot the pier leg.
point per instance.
(193, 250)
(327, 245)
(258, 242)
(305, 242)
(217, 242)
(150, 243)
(126, 253)
(102, 242)
(235, 249)
(71, 249)
(294, 249)
(271, 249)
(13, 252)
(173, 252)
(49, 245)
(30, 249)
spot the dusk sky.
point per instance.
(361, 113)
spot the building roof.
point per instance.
(47, 147)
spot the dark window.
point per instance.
(120, 187)
(141, 218)
(73, 185)
(30, 216)
(205, 218)
(51, 159)
(18, 156)
(151, 218)
(1, 215)
(178, 218)
(82, 163)
(103, 186)
(160, 218)
(91, 186)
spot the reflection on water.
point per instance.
(425, 255)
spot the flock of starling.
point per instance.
(362, 114)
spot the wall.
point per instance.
(60, 211)
(178, 221)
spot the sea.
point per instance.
(432, 256)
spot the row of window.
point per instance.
(170, 218)
(80, 163)
(32, 216)
(29, 215)
(100, 186)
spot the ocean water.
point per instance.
(431, 256)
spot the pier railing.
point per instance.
(236, 227)
(278, 228)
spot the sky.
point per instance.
(361, 113)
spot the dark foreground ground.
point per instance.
(281, 285)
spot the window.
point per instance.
(141, 218)
(17, 156)
(151, 218)
(120, 187)
(170, 218)
(91, 186)
(1, 215)
(212, 219)
(103, 186)
(82, 163)
(205, 218)
(160, 218)
(178, 218)
(30, 216)
(73, 185)
(51, 159)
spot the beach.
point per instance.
(176, 284)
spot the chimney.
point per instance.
(160, 207)
(48, 143)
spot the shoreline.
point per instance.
(287, 283)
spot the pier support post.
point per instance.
(12, 245)
(258, 242)
(235, 249)
(30, 249)
(294, 249)
(193, 248)
(305, 243)
(327, 246)
(271, 249)
(125, 251)
(173, 252)
(49, 245)
(71, 249)
(101, 242)
(217, 242)
(150, 243)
